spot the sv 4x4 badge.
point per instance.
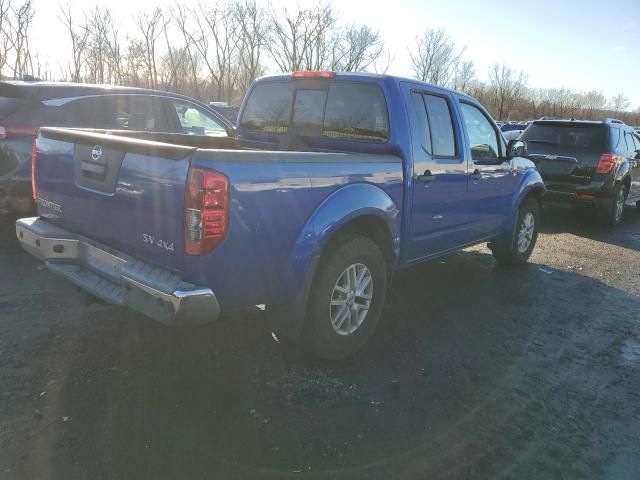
(158, 242)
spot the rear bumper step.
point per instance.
(116, 277)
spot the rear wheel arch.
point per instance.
(368, 226)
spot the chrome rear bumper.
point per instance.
(116, 277)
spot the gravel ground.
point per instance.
(476, 372)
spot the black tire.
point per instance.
(610, 214)
(320, 336)
(507, 251)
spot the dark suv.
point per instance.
(587, 163)
(26, 106)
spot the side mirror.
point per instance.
(517, 148)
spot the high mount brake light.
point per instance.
(206, 213)
(313, 74)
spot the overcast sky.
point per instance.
(582, 45)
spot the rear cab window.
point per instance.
(339, 109)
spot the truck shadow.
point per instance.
(582, 223)
(473, 365)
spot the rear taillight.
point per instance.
(206, 210)
(34, 149)
(14, 131)
(607, 162)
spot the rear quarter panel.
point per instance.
(282, 211)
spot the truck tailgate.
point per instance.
(126, 193)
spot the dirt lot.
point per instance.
(476, 372)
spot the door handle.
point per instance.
(427, 176)
(476, 175)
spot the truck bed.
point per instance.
(279, 202)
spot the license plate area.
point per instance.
(96, 167)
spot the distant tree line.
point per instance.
(212, 51)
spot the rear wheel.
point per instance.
(517, 250)
(346, 300)
(611, 213)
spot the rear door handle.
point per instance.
(476, 175)
(427, 176)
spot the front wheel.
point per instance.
(346, 300)
(517, 250)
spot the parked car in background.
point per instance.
(226, 110)
(27, 106)
(337, 182)
(587, 163)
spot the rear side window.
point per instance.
(121, 112)
(340, 110)
(423, 123)
(356, 111)
(636, 142)
(568, 137)
(441, 126)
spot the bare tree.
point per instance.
(217, 41)
(253, 33)
(463, 76)
(356, 49)
(18, 38)
(181, 16)
(301, 40)
(620, 103)
(135, 69)
(151, 24)
(5, 33)
(435, 57)
(506, 86)
(592, 103)
(100, 49)
(79, 35)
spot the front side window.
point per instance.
(195, 121)
(483, 139)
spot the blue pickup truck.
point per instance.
(334, 182)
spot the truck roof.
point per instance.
(50, 90)
(359, 76)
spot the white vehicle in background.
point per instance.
(512, 135)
